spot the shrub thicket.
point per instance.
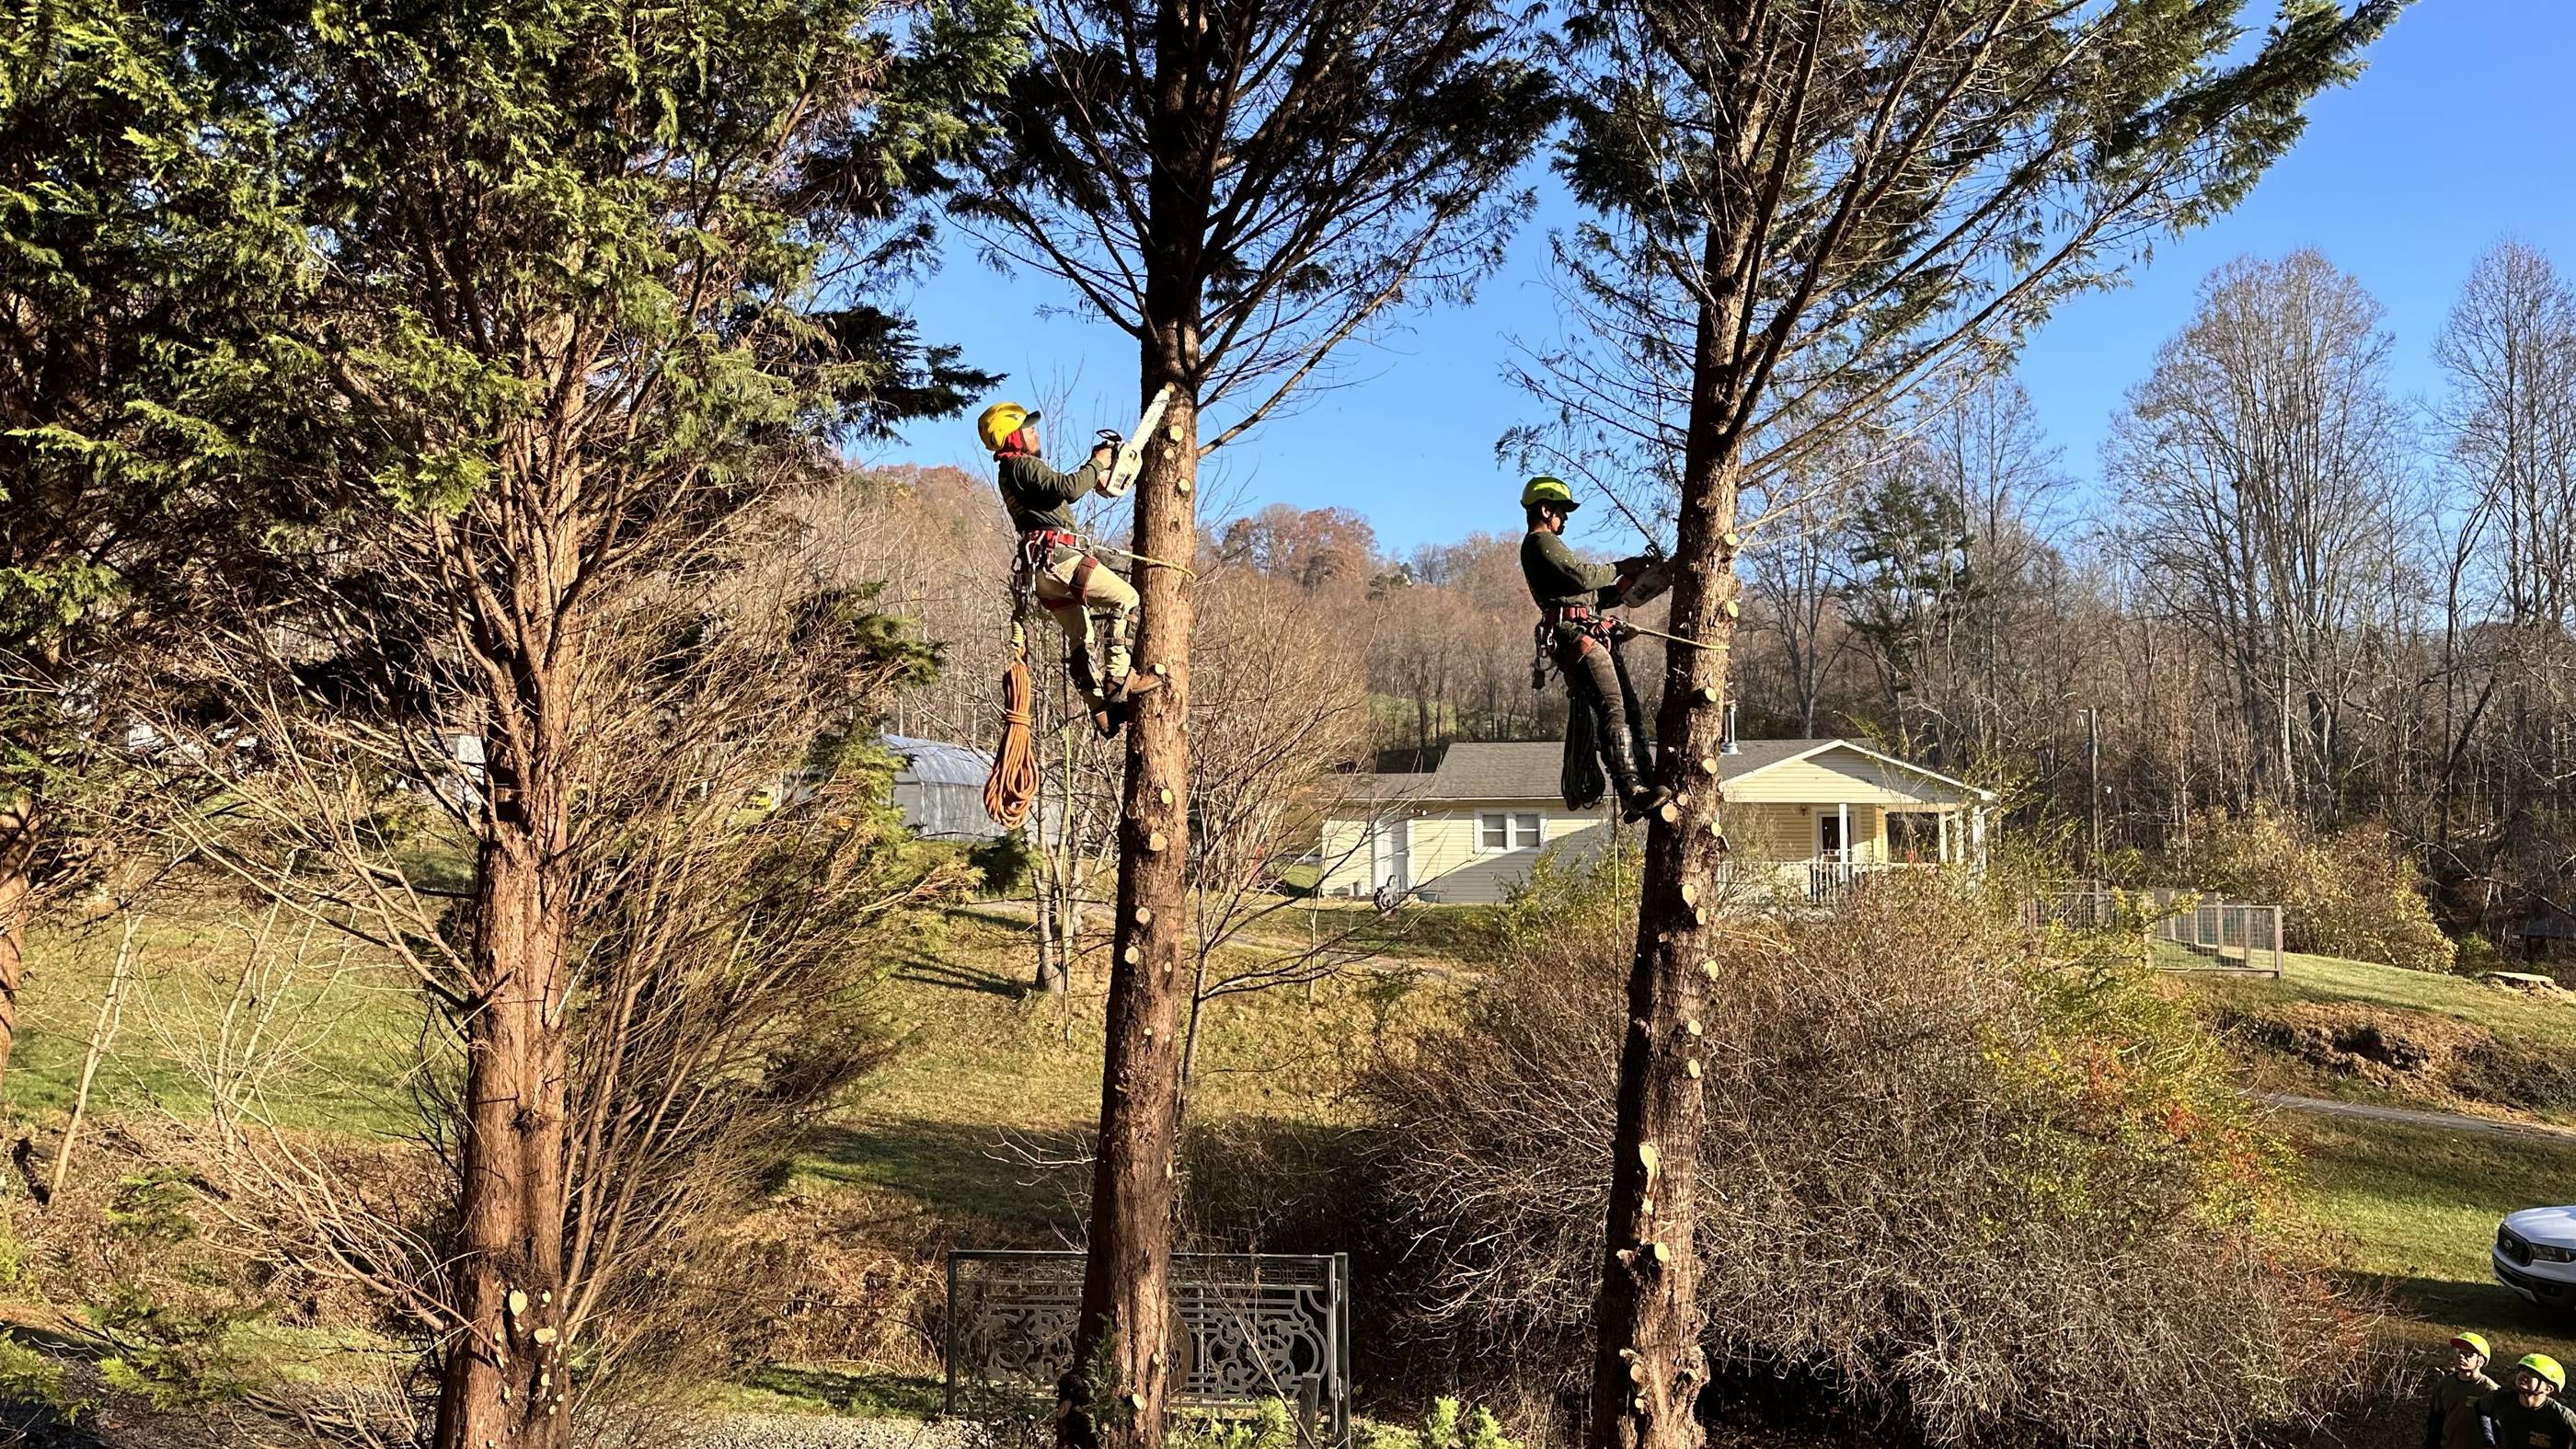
(2351, 892)
(2002, 1196)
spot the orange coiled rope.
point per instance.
(1013, 787)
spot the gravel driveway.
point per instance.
(800, 1431)
(2418, 1117)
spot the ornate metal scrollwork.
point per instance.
(1246, 1327)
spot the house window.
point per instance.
(1913, 835)
(1499, 830)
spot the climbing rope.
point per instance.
(1184, 570)
(1013, 786)
(1579, 780)
(1660, 634)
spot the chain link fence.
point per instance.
(2184, 930)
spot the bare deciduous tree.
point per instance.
(1242, 188)
(2263, 467)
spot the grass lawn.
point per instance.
(2509, 1014)
(2519, 1075)
(2409, 1212)
(943, 1145)
(995, 1074)
(332, 1043)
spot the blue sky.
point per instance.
(2458, 135)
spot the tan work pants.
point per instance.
(1071, 595)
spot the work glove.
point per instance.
(1648, 582)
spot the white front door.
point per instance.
(1391, 856)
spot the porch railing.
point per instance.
(2185, 930)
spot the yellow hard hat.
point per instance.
(1543, 489)
(2545, 1366)
(996, 423)
(2475, 1343)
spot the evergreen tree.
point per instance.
(1807, 207)
(1910, 577)
(142, 244)
(590, 288)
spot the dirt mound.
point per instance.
(2405, 1051)
(2413, 1053)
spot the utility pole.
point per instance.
(2093, 787)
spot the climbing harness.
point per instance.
(1585, 619)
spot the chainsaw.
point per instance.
(1130, 449)
(1649, 575)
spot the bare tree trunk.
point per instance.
(1042, 902)
(99, 1036)
(1121, 1348)
(505, 1374)
(1649, 1368)
(17, 898)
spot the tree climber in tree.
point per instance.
(1054, 569)
(1584, 643)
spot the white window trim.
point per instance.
(1511, 831)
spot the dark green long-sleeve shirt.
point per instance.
(1556, 576)
(2453, 1418)
(2511, 1426)
(1040, 497)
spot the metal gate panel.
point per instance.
(1246, 1327)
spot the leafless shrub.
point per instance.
(2001, 1196)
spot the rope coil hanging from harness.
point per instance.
(1011, 791)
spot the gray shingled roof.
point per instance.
(1528, 770)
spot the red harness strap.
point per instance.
(1034, 548)
(1590, 622)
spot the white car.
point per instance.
(2535, 1255)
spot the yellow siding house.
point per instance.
(1806, 816)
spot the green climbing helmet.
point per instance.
(1543, 489)
(2475, 1343)
(2545, 1367)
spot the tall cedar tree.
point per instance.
(1242, 186)
(139, 246)
(1809, 206)
(589, 291)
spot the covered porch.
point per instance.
(1818, 824)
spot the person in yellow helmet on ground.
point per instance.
(1584, 643)
(1094, 607)
(2528, 1415)
(2454, 1421)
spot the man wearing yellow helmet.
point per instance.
(1584, 643)
(2454, 1421)
(2529, 1415)
(1053, 567)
